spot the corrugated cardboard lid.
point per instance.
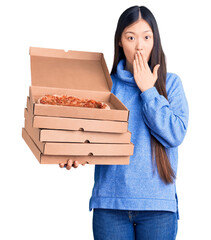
(71, 69)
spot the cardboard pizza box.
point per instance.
(53, 159)
(80, 149)
(51, 135)
(73, 73)
(67, 123)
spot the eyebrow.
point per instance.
(134, 33)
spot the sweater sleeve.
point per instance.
(167, 119)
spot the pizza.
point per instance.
(71, 101)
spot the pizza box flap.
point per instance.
(69, 69)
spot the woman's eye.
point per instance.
(131, 38)
(147, 37)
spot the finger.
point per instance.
(69, 164)
(140, 59)
(61, 165)
(75, 164)
(138, 67)
(134, 67)
(145, 64)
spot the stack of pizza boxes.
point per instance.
(89, 135)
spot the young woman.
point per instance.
(139, 200)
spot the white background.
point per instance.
(46, 202)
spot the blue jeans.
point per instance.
(111, 224)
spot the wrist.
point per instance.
(143, 89)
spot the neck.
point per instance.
(128, 67)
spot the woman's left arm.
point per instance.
(167, 119)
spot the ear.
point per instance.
(120, 43)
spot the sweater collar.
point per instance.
(125, 75)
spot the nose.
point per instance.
(139, 45)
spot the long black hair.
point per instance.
(128, 17)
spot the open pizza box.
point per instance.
(52, 135)
(67, 123)
(73, 73)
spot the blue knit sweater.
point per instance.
(137, 186)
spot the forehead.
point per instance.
(139, 26)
